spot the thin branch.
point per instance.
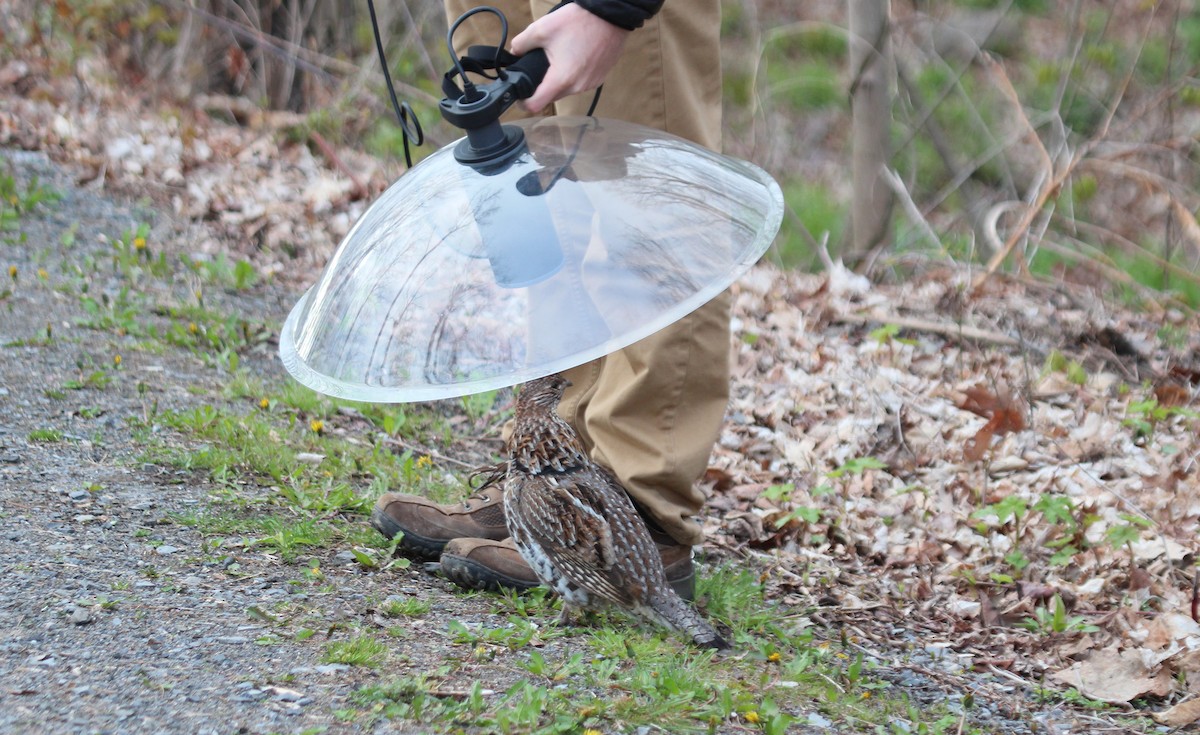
(959, 331)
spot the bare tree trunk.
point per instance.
(870, 104)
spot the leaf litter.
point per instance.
(1060, 467)
(1000, 467)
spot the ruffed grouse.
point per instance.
(576, 526)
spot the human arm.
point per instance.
(583, 41)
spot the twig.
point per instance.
(910, 207)
(922, 325)
(331, 155)
(424, 450)
(1196, 596)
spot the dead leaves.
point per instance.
(287, 205)
(1116, 676)
(1004, 414)
(1147, 663)
(972, 433)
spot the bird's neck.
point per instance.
(543, 442)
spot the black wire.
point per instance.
(595, 100)
(470, 94)
(404, 111)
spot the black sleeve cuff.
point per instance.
(627, 14)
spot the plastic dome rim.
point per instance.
(300, 370)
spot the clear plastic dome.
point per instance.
(459, 280)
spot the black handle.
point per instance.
(527, 72)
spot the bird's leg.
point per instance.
(566, 616)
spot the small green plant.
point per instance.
(45, 436)
(888, 333)
(1053, 618)
(361, 650)
(477, 405)
(1060, 363)
(132, 257)
(856, 467)
(405, 607)
(1120, 535)
(222, 272)
(16, 201)
(519, 632)
(380, 559)
(1145, 416)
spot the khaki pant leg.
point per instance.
(483, 29)
(653, 411)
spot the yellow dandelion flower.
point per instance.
(774, 657)
(317, 425)
(192, 328)
(12, 272)
(139, 243)
(592, 731)
(751, 717)
(43, 273)
(116, 360)
(424, 462)
(264, 404)
(866, 694)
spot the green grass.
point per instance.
(45, 436)
(361, 650)
(405, 607)
(820, 213)
(617, 676)
(17, 201)
(287, 536)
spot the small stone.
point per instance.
(287, 695)
(80, 495)
(193, 581)
(81, 616)
(816, 720)
(85, 518)
(164, 550)
(332, 668)
(234, 639)
(344, 557)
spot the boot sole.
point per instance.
(410, 544)
(472, 575)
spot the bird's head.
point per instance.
(545, 393)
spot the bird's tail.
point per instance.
(671, 611)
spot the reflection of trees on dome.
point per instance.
(602, 233)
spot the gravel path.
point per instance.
(114, 617)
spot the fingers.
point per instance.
(525, 41)
(552, 89)
(582, 49)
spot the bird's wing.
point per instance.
(567, 515)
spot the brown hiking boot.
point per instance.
(487, 564)
(428, 527)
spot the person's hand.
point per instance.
(582, 49)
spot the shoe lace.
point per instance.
(491, 475)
